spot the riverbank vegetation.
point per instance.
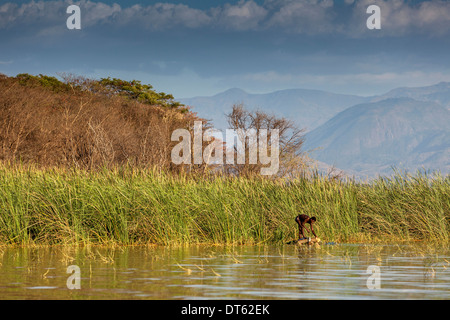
(128, 206)
(89, 162)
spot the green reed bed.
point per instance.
(129, 206)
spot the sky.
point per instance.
(203, 47)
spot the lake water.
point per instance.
(342, 271)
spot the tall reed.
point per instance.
(130, 206)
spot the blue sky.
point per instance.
(202, 47)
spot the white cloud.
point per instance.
(98, 12)
(307, 16)
(163, 16)
(245, 15)
(49, 14)
(399, 17)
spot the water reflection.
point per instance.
(238, 272)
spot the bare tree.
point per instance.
(290, 141)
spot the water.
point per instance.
(340, 271)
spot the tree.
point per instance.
(144, 93)
(291, 158)
(133, 89)
(42, 80)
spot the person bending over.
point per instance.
(302, 220)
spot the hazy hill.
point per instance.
(370, 138)
(406, 127)
(439, 93)
(308, 108)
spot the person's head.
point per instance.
(312, 220)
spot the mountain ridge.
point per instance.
(373, 137)
(308, 108)
(387, 136)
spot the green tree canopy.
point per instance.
(133, 89)
(144, 93)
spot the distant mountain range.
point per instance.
(439, 93)
(308, 108)
(370, 138)
(406, 128)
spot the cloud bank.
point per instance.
(311, 17)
